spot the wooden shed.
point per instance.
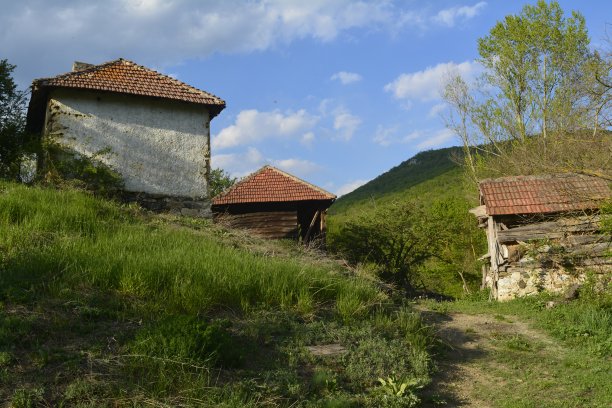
(275, 204)
(543, 232)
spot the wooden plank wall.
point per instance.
(269, 224)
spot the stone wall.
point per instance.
(551, 266)
(174, 205)
(158, 147)
(524, 282)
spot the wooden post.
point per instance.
(492, 241)
(312, 223)
(485, 272)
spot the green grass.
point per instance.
(102, 305)
(585, 323)
(569, 367)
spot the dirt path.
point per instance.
(468, 364)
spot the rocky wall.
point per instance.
(174, 205)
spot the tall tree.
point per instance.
(535, 60)
(539, 78)
(12, 123)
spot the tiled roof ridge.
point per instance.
(98, 67)
(238, 183)
(547, 193)
(251, 176)
(299, 180)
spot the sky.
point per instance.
(333, 91)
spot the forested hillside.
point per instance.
(423, 166)
(411, 225)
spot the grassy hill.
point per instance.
(434, 181)
(102, 305)
(418, 169)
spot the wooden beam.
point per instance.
(549, 229)
(312, 223)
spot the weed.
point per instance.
(395, 393)
(324, 381)
(27, 397)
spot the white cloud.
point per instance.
(350, 186)
(345, 123)
(239, 164)
(438, 138)
(298, 167)
(346, 77)
(253, 126)
(385, 136)
(414, 135)
(158, 32)
(243, 163)
(308, 139)
(426, 85)
(449, 16)
(435, 110)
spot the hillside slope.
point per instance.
(422, 167)
(103, 305)
(435, 182)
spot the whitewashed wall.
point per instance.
(157, 146)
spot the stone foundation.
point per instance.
(186, 206)
(521, 282)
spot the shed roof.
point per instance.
(543, 194)
(270, 185)
(120, 76)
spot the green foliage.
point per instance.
(186, 339)
(396, 237)
(606, 217)
(64, 167)
(442, 206)
(543, 103)
(68, 234)
(534, 61)
(102, 306)
(27, 397)
(422, 167)
(14, 142)
(324, 381)
(398, 394)
(219, 181)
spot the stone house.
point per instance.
(275, 204)
(150, 129)
(543, 233)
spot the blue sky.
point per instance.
(334, 91)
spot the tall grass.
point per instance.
(129, 309)
(69, 239)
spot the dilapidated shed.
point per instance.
(543, 232)
(275, 204)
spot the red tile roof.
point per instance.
(268, 185)
(543, 194)
(126, 77)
